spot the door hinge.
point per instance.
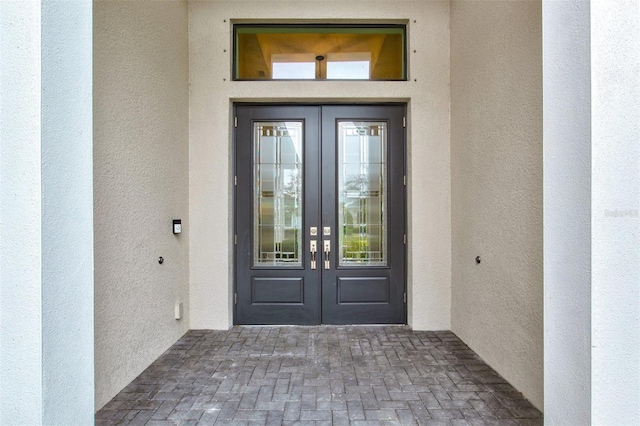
(235, 298)
(235, 121)
(235, 180)
(404, 180)
(404, 239)
(235, 239)
(404, 122)
(405, 298)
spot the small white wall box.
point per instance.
(179, 310)
(177, 226)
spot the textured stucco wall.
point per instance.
(615, 286)
(496, 169)
(141, 184)
(20, 214)
(67, 213)
(46, 214)
(567, 212)
(211, 97)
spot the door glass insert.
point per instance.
(277, 177)
(362, 198)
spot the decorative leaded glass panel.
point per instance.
(277, 177)
(362, 187)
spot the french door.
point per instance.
(320, 214)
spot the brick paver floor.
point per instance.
(319, 375)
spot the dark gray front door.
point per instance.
(320, 214)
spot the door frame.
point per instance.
(234, 166)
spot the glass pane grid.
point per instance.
(277, 169)
(362, 212)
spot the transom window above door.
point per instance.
(319, 52)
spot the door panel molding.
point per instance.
(277, 291)
(363, 290)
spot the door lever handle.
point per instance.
(313, 249)
(327, 250)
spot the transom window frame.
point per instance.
(323, 26)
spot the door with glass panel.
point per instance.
(320, 214)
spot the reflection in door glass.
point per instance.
(277, 177)
(362, 209)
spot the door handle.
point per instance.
(313, 249)
(327, 250)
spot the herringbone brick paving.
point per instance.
(342, 375)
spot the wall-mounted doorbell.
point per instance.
(177, 226)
